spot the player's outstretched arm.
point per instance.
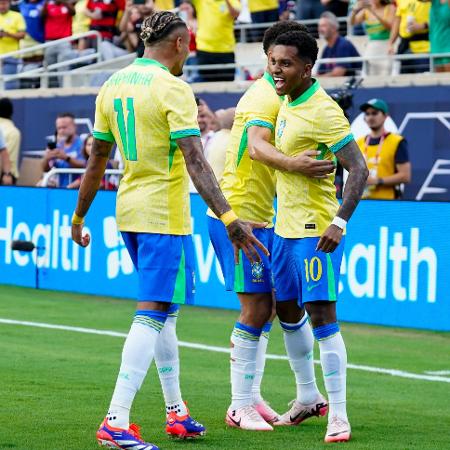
(239, 231)
(89, 187)
(260, 149)
(351, 158)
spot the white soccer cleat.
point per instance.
(338, 430)
(300, 412)
(246, 418)
(266, 412)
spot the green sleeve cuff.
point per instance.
(184, 133)
(108, 137)
(342, 143)
(259, 123)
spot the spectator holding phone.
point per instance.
(65, 151)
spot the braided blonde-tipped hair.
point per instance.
(159, 25)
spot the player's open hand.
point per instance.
(330, 239)
(78, 237)
(242, 238)
(307, 164)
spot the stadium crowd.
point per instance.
(399, 26)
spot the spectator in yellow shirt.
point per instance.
(164, 5)
(262, 11)
(411, 23)
(12, 30)
(215, 36)
(12, 136)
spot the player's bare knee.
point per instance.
(289, 312)
(321, 313)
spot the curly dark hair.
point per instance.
(279, 28)
(158, 26)
(305, 44)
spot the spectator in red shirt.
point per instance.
(58, 19)
(103, 15)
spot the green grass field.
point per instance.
(56, 384)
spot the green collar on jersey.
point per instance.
(269, 78)
(307, 94)
(149, 62)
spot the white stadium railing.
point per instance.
(54, 172)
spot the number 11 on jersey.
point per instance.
(128, 131)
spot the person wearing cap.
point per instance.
(386, 154)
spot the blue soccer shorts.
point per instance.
(244, 277)
(165, 265)
(301, 272)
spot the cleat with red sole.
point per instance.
(183, 427)
(108, 436)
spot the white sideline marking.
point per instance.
(437, 372)
(212, 348)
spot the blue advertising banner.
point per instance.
(394, 272)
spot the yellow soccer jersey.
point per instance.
(215, 31)
(306, 206)
(248, 185)
(262, 5)
(143, 108)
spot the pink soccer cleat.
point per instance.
(300, 412)
(247, 418)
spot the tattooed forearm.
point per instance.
(202, 175)
(93, 176)
(352, 160)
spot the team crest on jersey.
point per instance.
(281, 128)
(257, 271)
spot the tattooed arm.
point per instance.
(351, 159)
(240, 232)
(89, 186)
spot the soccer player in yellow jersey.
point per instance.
(151, 115)
(308, 242)
(249, 186)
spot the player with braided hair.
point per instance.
(152, 116)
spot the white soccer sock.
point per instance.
(243, 364)
(137, 356)
(333, 357)
(260, 363)
(168, 364)
(299, 342)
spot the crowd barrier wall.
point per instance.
(395, 269)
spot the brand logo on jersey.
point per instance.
(281, 128)
(257, 271)
(118, 259)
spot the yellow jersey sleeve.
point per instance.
(102, 130)
(331, 127)
(177, 102)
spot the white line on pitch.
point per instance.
(437, 372)
(211, 348)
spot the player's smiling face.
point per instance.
(287, 69)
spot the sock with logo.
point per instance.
(244, 347)
(168, 363)
(260, 362)
(137, 356)
(299, 343)
(333, 357)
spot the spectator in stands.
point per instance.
(164, 5)
(377, 17)
(103, 15)
(386, 154)
(205, 120)
(440, 33)
(188, 13)
(81, 23)
(11, 135)
(215, 36)
(31, 11)
(130, 26)
(309, 9)
(12, 30)
(262, 11)
(68, 151)
(219, 142)
(86, 153)
(7, 177)
(337, 47)
(411, 24)
(338, 7)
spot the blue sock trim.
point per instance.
(150, 318)
(246, 332)
(289, 328)
(267, 327)
(326, 331)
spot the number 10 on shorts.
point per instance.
(313, 269)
